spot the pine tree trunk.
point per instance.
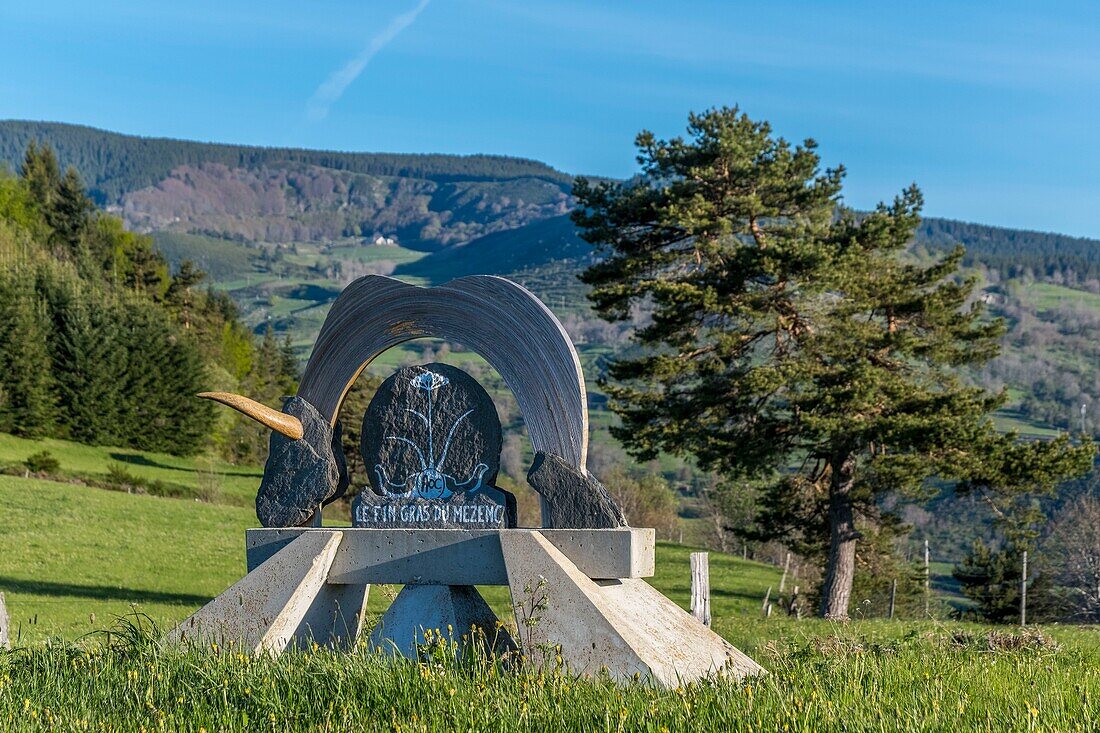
(841, 568)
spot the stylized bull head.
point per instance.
(494, 317)
(305, 466)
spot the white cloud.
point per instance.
(337, 82)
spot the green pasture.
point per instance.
(1047, 296)
(374, 254)
(1007, 420)
(74, 558)
(221, 259)
(233, 484)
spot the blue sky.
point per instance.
(992, 107)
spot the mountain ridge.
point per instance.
(436, 199)
(295, 194)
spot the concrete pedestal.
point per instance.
(576, 594)
(450, 611)
(273, 605)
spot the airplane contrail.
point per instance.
(337, 82)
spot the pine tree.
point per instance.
(163, 372)
(92, 346)
(180, 295)
(789, 338)
(288, 367)
(70, 211)
(41, 174)
(86, 362)
(29, 405)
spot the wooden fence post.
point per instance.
(927, 578)
(700, 586)
(786, 567)
(764, 606)
(893, 596)
(5, 621)
(1023, 593)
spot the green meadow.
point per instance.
(73, 558)
(224, 482)
(76, 560)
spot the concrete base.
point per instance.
(624, 627)
(447, 610)
(271, 606)
(459, 556)
(298, 595)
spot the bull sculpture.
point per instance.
(498, 319)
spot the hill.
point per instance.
(247, 194)
(288, 194)
(503, 253)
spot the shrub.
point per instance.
(120, 479)
(42, 462)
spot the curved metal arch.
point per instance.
(500, 320)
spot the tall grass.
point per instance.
(926, 680)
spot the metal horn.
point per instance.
(280, 422)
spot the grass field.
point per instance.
(235, 484)
(857, 678)
(1045, 296)
(72, 558)
(69, 552)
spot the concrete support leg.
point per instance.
(450, 609)
(623, 626)
(266, 608)
(335, 617)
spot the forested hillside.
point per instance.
(103, 342)
(285, 195)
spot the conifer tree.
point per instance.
(180, 295)
(41, 174)
(790, 338)
(163, 372)
(90, 348)
(87, 362)
(70, 211)
(29, 405)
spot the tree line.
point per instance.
(114, 164)
(1015, 253)
(102, 343)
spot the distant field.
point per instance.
(222, 259)
(237, 484)
(373, 254)
(1046, 296)
(1008, 420)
